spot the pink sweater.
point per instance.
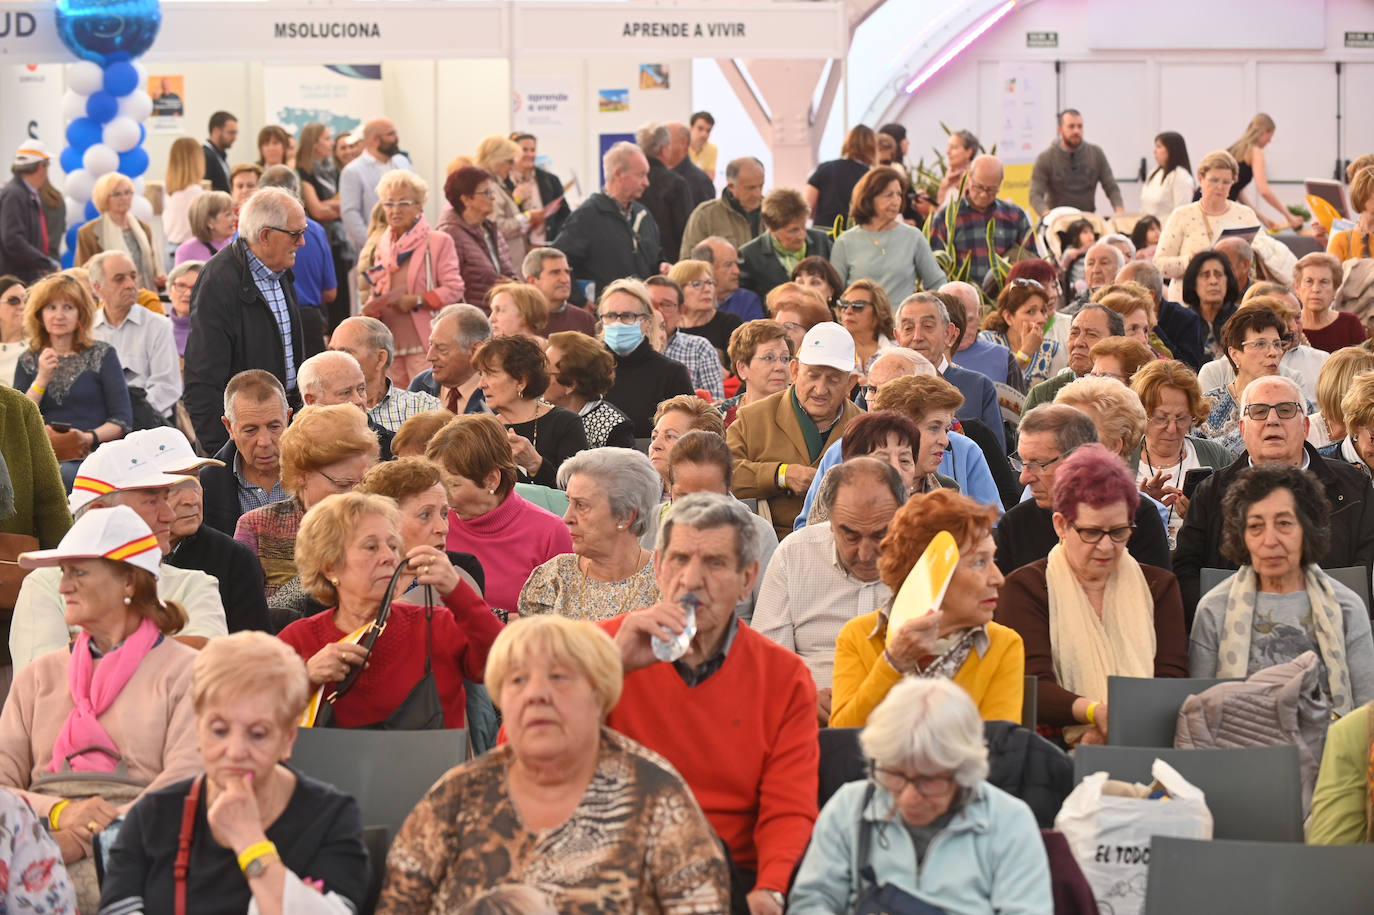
(509, 541)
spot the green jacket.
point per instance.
(1209, 454)
(1340, 803)
(40, 500)
(1045, 391)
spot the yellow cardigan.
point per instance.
(996, 681)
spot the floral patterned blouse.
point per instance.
(558, 586)
(1043, 364)
(33, 879)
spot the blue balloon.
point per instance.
(91, 211)
(71, 159)
(142, 133)
(101, 107)
(120, 78)
(134, 162)
(82, 133)
(105, 30)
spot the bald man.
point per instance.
(358, 181)
(979, 206)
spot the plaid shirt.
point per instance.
(1011, 227)
(250, 496)
(701, 360)
(269, 284)
(398, 405)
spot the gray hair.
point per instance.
(379, 336)
(855, 469)
(95, 267)
(735, 166)
(1120, 258)
(1070, 426)
(308, 376)
(533, 264)
(1242, 248)
(1280, 379)
(928, 725)
(1146, 274)
(653, 138)
(1116, 238)
(618, 157)
(258, 385)
(629, 286)
(1116, 325)
(704, 510)
(281, 176)
(473, 326)
(919, 364)
(627, 477)
(268, 207)
(181, 270)
(704, 250)
(940, 307)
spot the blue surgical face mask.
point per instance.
(624, 338)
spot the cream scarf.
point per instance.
(112, 239)
(1233, 654)
(1088, 650)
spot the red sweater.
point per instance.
(462, 633)
(745, 740)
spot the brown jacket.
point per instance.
(765, 435)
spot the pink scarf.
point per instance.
(388, 253)
(93, 691)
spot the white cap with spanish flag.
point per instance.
(116, 533)
(115, 466)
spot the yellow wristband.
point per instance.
(56, 812)
(254, 852)
(38, 388)
(1022, 356)
(782, 476)
(1091, 712)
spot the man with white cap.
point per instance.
(25, 238)
(778, 441)
(119, 473)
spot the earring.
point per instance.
(128, 601)
(620, 527)
(334, 582)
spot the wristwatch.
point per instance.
(256, 866)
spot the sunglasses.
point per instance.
(843, 305)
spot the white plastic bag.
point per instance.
(1109, 833)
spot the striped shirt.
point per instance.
(269, 284)
(398, 405)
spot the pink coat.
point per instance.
(448, 282)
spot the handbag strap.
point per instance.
(378, 626)
(183, 859)
(862, 868)
(429, 619)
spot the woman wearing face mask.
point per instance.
(644, 378)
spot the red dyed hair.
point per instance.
(1095, 477)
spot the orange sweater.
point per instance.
(996, 681)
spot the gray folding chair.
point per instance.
(1253, 793)
(1356, 578)
(1200, 877)
(378, 840)
(1143, 711)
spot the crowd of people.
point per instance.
(627, 490)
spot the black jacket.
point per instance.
(220, 499)
(21, 235)
(1351, 523)
(670, 202)
(216, 167)
(759, 268)
(232, 330)
(1026, 765)
(699, 184)
(1026, 534)
(643, 380)
(550, 189)
(235, 568)
(602, 246)
(1181, 330)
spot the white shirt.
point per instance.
(1163, 194)
(40, 626)
(1303, 364)
(358, 192)
(147, 352)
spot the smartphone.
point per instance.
(1192, 478)
(60, 427)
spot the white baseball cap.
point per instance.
(827, 344)
(117, 533)
(31, 152)
(170, 450)
(113, 467)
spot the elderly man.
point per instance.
(1178, 327)
(1241, 257)
(243, 310)
(117, 473)
(992, 360)
(358, 180)
(143, 340)
(826, 574)
(735, 216)
(316, 282)
(1272, 438)
(979, 207)
(1026, 533)
(744, 304)
(1068, 172)
(611, 235)
(25, 236)
(667, 197)
(224, 130)
(692, 350)
(700, 186)
(1092, 323)
(372, 345)
(455, 334)
(547, 270)
(335, 377)
(1100, 266)
(922, 323)
(248, 475)
(778, 442)
(644, 377)
(734, 695)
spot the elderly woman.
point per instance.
(817, 273)
(699, 313)
(483, 255)
(1357, 408)
(412, 667)
(180, 282)
(414, 272)
(1090, 611)
(497, 156)
(925, 823)
(75, 380)
(931, 403)
(761, 353)
(1281, 604)
(1137, 309)
(959, 642)
(590, 818)
(830, 188)
(185, 169)
(1196, 227)
(1023, 312)
(12, 342)
(1355, 241)
(768, 260)
(326, 450)
(508, 535)
(258, 829)
(960, 151)
(1114, 409)
(116, 229)
(882, 247)
(1254, 344)
(213, 224)
(866, 312)
(798, 308)
(612, 494)
(518, 310)
(1327, 427)
(65, 706)
(1316, 277)
(1119, 358)
(891, 437)
(674, 418)
(514, 376)
(581, 371)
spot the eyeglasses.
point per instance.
(843, 305)
(1117, 375)
(1033, 467)
(792, 327)
(391, 204)
(340, 485)
(1219, 181)
(698, 284)
(771, 360)
(489, 193)
(896, 782)
(621, 317)
(127, 192)
(1027, 282)
(984, 188)
(1094, 534)
(1260, 411)
(1182, 421)
(296, 234)
(869, 392)
(1262, 346)
(184, 287)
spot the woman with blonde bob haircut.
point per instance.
(700, 316)
(212, 221)
(1358, 409)
(248, 691)
(498, 155)
(518, 309)
(925, 818)
(1338, 374)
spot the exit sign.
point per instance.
(1051, 39)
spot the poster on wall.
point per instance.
(543, 109)
(612, 100)
(654, 76)
(168, 92)
(340, 96)
(33, 108)
(1026, 119)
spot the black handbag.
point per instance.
(886, 899)
(421, 709)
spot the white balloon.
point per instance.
(100, 159)
(78, 186)
(121, 134)
(137, 105)
(76, 211)
(142, 208)
(85, 77)
(142, 72)
(73, 105)
(140, 185)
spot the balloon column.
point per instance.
(104, 106)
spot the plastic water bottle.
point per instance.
(675, 647)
